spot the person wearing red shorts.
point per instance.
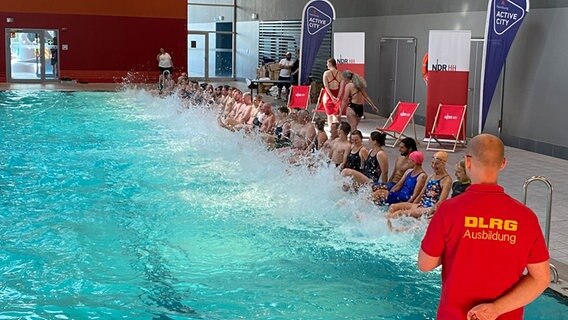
(332, 86)
(484, 240)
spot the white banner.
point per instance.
(349, 51)
(448, 50)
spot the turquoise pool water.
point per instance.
(120, 205)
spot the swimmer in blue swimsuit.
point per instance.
(437, 189)
(408, 188)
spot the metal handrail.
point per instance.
(554, 273)
(548, 216)
(548, 207)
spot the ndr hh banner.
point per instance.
(504, 17)
(448, 72)
(349, 51)
(316, 20)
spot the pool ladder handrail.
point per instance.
(555, 279)
(548, 218)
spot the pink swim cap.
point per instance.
(417, 157)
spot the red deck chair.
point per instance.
(299, 97)
(398, 120)
(319, 105)
(447, 127)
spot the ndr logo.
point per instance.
(450, 117)
(404, 114)
(443, 67)
(300, 95)
(345, 61)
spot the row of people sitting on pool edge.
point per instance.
(408, 184)
(409, 190)
(191, 92)
(283, 129)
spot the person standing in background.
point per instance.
(285, 73)
(354, 96)
(165, 61)
(332, 86)
(296, 69)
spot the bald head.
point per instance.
(488, 150)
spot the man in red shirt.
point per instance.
(484, 240)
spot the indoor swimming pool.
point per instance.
(123, 205)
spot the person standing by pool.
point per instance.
(332, 81)
(285, 74)
(165, 61)
(354, 96)
(484, 239)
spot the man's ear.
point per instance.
(503, 164)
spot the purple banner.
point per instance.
(316, 20)
(504, 17)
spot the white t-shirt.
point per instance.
(286, 72)
(165, 60)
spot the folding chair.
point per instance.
(319, 105)
(299, 97)
(447, 127)
(398, 120)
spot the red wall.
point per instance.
(106, 39)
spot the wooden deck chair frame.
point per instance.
(440, 142)
(397, 136)
(290, 98)
(317, 104)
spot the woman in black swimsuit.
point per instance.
(355, 97)
(281, 136)
(375, 166)
(358, 154)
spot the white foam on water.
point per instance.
(296, 197)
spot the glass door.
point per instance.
(198, 55)
(221, 52)
(32, 55)
(51, 54)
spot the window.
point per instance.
(214, 21)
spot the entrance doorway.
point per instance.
(397, 65)
(210, 54)
(32, 55)
(198, 55)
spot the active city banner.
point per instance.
(448, 72)
(316, 21)
(504, 17)
(349, 51)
